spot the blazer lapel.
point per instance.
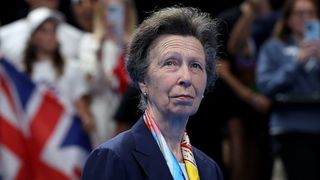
(204, 167)
(200, 163)
(148, 153)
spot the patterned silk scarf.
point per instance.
(172, 162)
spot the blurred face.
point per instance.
(84, 11)
(44, 38)
(264, 7)
(52, 4)
(176, 78)
(303, 10)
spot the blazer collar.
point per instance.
(201, 162)
(148, 153)
(151, 159)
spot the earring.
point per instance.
(202, 96)
(145, 93)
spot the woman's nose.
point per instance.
(185, 76)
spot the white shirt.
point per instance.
(69, 87)
(103, 84)
(14, 36)
(184, 170)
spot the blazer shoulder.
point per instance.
(122, 143)
(108, 157)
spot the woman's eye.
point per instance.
(196, 66)
(170, 63)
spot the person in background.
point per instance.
(248, 128)
(127, 113)
(101, 56)
(83, 13)
(171, 60)
(44, 64)
(13, 36)
(288, 72)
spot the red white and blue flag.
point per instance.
(39, 138)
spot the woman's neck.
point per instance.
(172, 129)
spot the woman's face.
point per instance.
(44, 38)
(303, 10)
(52, 4)
(176, 78)
(84, 11)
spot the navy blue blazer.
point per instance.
(134, 154)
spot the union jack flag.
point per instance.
(39, 138)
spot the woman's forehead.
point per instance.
(166, 43)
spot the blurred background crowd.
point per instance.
(260, 122)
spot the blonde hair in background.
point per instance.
(98, 20)
(131, 17)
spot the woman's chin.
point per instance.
(184, 112)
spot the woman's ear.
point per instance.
(143, 87)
